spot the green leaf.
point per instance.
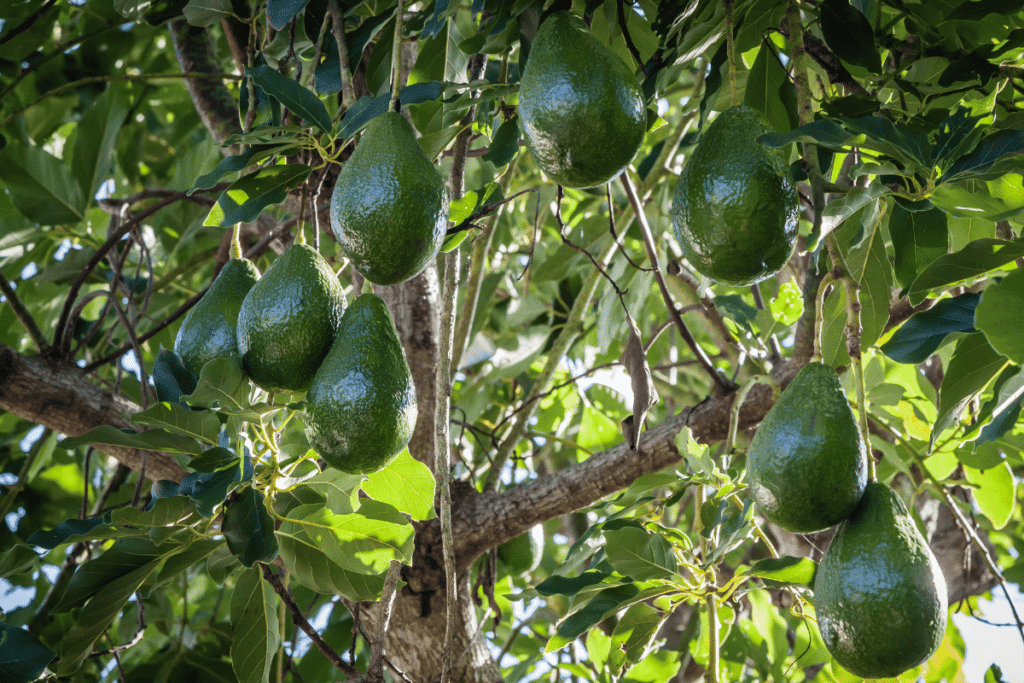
(976, 10)
(257, 635)
(223, 384)
(174, 566)
(566, 585)
(249, 529)
(602, 605)
(364, 542)
(212, 460)
(23, 657)
(199, 424)
(894, 139)
(918, 238)
(924, 332)
(65, 531)
(785, 571)
(995, 493)
(280, 12)
(977, 258)
(171, 378)
(999, 315)
(207, 12)
(504, 144)
(640, 555)
(41, 186)
(243, 201)
(229, 164)
(292, 95)
(824, 132)
(92, 160)
(18, 559)
(958, 135)
(165, 512)
(974, 364)
(974, 199)
(119, 560)
(770, 91)
(337, 488)
(406, 484)
(152, 440)
(632, 636)
(848, 32)
(311, 567)
(995, 156)
(208, 491)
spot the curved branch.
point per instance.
(59, 396)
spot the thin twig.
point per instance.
(23, 315)
(27, 24)
(299, 619)
(724, 386)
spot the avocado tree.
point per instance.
(574, 370)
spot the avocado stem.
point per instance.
(737, 405)
(819, 310)
(730, 50)
(236, 243)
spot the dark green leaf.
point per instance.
(165, 512)
(327, 77)
(123, 557)
(22, 656)
(243, 201)
(995, 156)
(505, 144)
(977, 258)
(736, 309)
(958, 135)
(257, 632)
(17, 559)
(292, 95)
(229, 164)
(639, 554)
(848, 32)
(924, 332)
(171, 378)
(633, 635)
(92, 160)
(825, 133)
(565, 585)
(994, 674)
(200, 424)
(770, 91)
(208, 491)
(976, 10)
(974, 364)
(207, 12)
(280, 12)
(972, 67)
(63, 532)
(712, 83)
(223, 384)
(606, 602)
(152, 440)
(918, 238)
(249, 529)
(999, 315)
(212, 460)
(895, 139)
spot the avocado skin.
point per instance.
(580, 108)
(361, 407)
(208, 331)
(735, 209)
(879, 593)
(389, 210)
(807, 465)
(288, 320)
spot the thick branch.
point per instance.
(59, 396)
(196, 53)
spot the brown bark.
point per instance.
(59, 396)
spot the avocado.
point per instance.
(807, 464)
(361, 407)
(580, 107)
(879, 594)
(288, 319)
(208, 330)
(389, 209)
(735, 209)
(522, 554)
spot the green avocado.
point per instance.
(807, 464)
(580, 107)
(735, 209)
(287, 321)
(522, 554)
(879, 594)
(361, 406)
(208, 330)
(389, 209)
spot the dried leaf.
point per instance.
(645, 396)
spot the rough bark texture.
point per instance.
(197, 54)
(59, 396)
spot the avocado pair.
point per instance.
(294, 333)
(879, 594)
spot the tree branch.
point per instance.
(58, 395)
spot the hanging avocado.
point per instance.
(580, 108)
(735, 206)
(287, 321)
(389, 209)
(807, 464)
